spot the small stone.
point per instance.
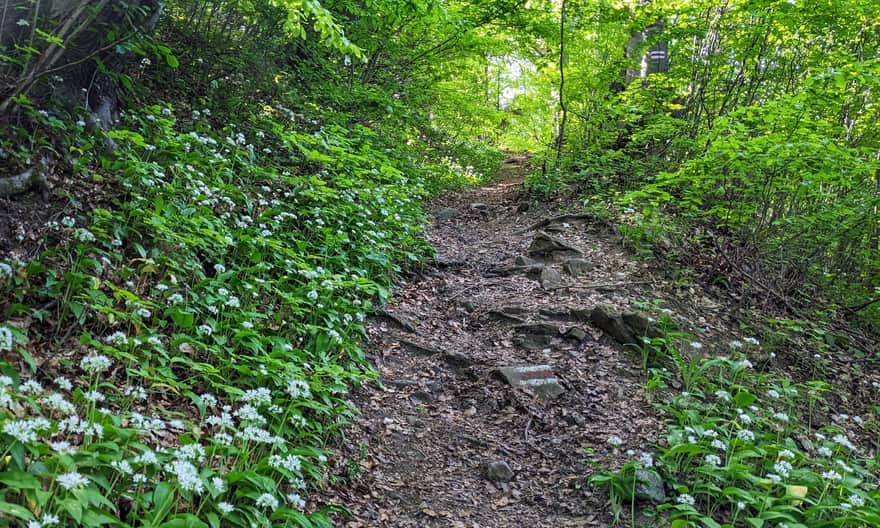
(447, 213)
(448, 263)
(533, 342)
(422, 397)
(514, 309)
(498, 471)
(577, 266)
(578, 334)
(457, 359)
(551, 279)
(483, 208)
(468, 304)
(649, 486)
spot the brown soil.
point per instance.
(417, 454)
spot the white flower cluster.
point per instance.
(6, 339)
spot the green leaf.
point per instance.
(20, 480)
(184, 520)
(73, 508)
(16, 510)
(171, 60)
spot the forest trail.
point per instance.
(434, 444)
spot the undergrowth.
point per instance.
(742, 449)
(182, 356)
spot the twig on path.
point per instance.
(526, 432)
(557, 220)
(473, 287)
(608, 285)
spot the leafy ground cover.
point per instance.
(745, 445)
(182, 355)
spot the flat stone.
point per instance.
(498, 471)
(551, 279)
(533, 341)
(545, 244)
(531, 270)
(447, 213)
(557, 313)
(537, 329)
(404, 320)
(538, 378)
(515, 309)
(577, 266)
(523, 260)
(480, 207)
(419, 348)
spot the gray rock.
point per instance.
(447, 263)
(537, 329)
(498, 471)
(422, 397)
(447, 213)
(483, 208)
(533, 342)
(536, 378)
(523, 260)
(641, 324)
(402, 319)
(556, 313)
(578, 334)
(514, 309)
(649, 486)
(611, 322)
(625, 328)
(551, 279)
(547, 245)
(577, 266)
(457, 359)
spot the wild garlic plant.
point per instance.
(215, 309)
(740, 451)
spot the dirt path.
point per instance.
(419, 452)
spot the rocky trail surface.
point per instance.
(458, 433)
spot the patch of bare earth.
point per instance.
(420, 453)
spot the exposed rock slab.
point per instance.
(537, 378)
(547, 245)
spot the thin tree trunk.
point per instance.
(560, 139)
